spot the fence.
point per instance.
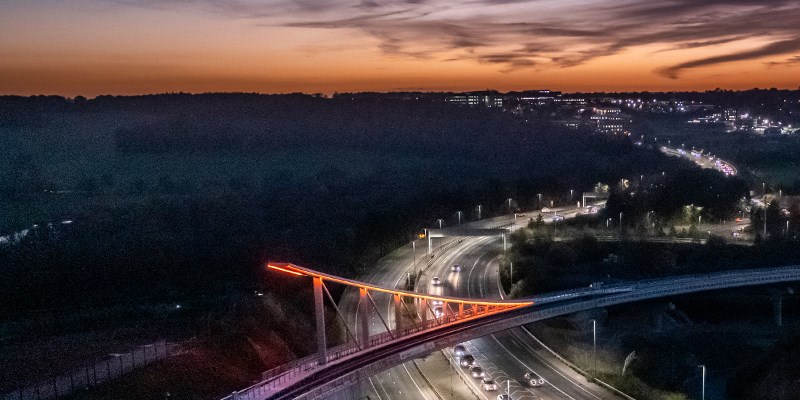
(91, 375)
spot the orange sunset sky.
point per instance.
(92, 47)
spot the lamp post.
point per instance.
(594, 344)
(703, 392)
(479, 211)
(414, 250)
(540, 199)
(440, 223)
(509, 204)
(571, 191)
(459, 217)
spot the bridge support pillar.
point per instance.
(319, 311)
(363, 306)
(398, 314)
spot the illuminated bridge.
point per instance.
(446, 321)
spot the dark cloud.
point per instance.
(776, 48)
(787, 62)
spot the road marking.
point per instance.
(530, 350)
(415, 382)
(529, 368)
(374, 388)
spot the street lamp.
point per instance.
(479, 211)
(540, 200)
(414, 250)
(703, 393)
(459, 217)
(440, 223)
(570, 195)
(509, 204)
(620, 220)
(594, 344)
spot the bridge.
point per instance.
(314, 377)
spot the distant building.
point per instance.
(608, 120)
(607, 111)
(570, 101)
(474, 99)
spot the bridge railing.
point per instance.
(279, 376)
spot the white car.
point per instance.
(503, 397)
(438, 312)
(533, 379)
(466, 360)
(436, 281)
(489, 385)
(459, 350)
(476, 372)
(455, 268)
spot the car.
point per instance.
(736, 234)
(455, 268)
(436, 281)
(738, 219)
(459, 350)
(438, 312)
(489, 385)
(504, 397)
(467, 360)
(558, 218)
(533, 379)
(476, 372)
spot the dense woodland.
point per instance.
(177, 195)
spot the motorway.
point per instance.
(511, 352)
(703, 161)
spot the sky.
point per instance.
(93, 47)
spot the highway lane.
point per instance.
(400, 382)
(391, 271)
(510, 353)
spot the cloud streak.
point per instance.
(518, 34)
